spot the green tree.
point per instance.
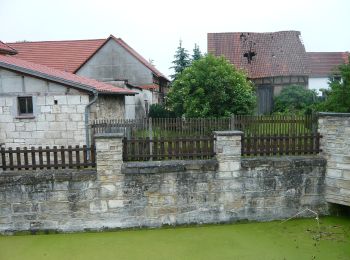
(196, 53)
(211, 87)
(295, 99)
(338, 96)
(159, 111)
(181, 61)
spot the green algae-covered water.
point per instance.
(296, 239)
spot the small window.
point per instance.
(25, 106)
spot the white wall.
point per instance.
(318, 83)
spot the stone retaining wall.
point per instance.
(119, 195)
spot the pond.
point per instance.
(296, 239)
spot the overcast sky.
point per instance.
(154, 27)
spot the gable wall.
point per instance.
(113, 62)
(61, 124)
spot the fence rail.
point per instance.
(145, 149)
(47, 158)
(281, 145)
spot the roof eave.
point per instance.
(48, 77)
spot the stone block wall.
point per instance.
(119, 195)
(58, 112)
(335, 129)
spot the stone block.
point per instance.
(112, 204)
(45, 109)
(61, 100)
(73, 99)
(21, 208)
(98, 206)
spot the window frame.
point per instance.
(28, 113)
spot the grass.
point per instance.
(295, 239)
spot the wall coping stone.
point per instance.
(108, 135)
(228, 133)
(324, 114)
(168, 166)
(285, 161)
(40, 176)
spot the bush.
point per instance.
(295, 99)
(211, 87)
(159, 111)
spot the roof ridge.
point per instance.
(20, 42)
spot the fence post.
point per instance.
(150, 135)
(232, 122)
(109, 159)
(228, 150)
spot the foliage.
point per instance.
(295, 99)
(196, 53)
(159, 111)
(338, 96)
(211, 87)
(181, 61)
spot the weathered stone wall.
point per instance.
(335, 129)
(58, 112)
(227, 188)
(108, 107)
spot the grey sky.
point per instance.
(154, 27)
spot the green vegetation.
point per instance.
(295, 239)
(211, 87)
(295, 99)
(338, 97)
(182, 61)
(159, 111)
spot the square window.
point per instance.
(25, 106)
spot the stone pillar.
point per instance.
(335, 145)
(228, 151)
(109, 159)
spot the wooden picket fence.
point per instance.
(179, 127)
(145, 149)
(47, 158)
(275, 124)
(260, 145)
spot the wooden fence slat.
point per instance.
(3, 158)
(32, 153)
(48, 165)
(18, 155)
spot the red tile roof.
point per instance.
(5, 49)
(61, 55)
(59, 76)
(322, 64)
(276, 54)
(70, 55)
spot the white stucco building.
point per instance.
(322, 65)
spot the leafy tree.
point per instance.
(211, 87)
(338, 96)
(159, 111)
(295, 99)
(181, 61)
(196, 53)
